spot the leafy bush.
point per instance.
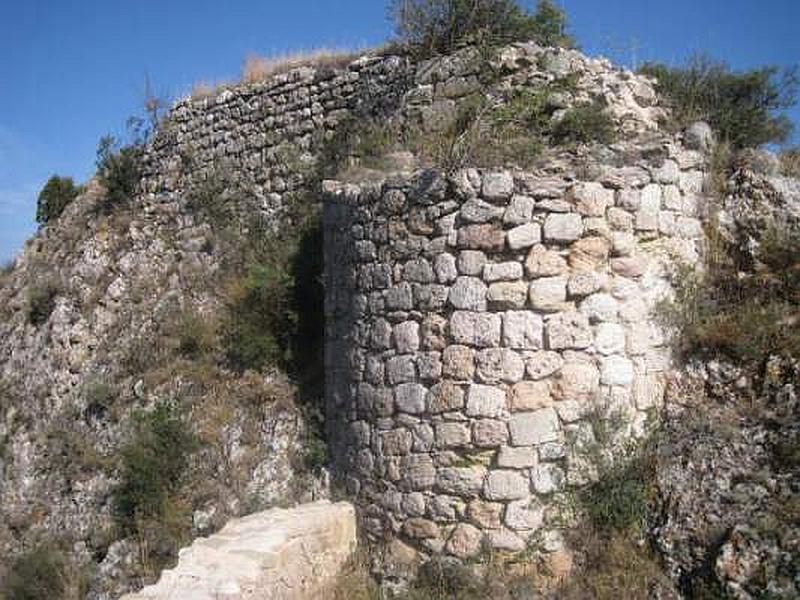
(37, 575)
(583, 124)
(119, 170)
(42, 301)
(744, 108)
(56, 194)
(430, 27)
(153, 466)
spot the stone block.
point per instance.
(570, 330)
(494, 365)
(489, 433)
(523, 330)
(485, 401)
(543, 364)
(401, 369)
(468, 293)
(538, 427)
(497, 186)
(510, 457)
(519, 211)
(471, 262)
(508, 295)
(458, 362)
(506, 271)
(563, 228)
(476, 329)
(406, 337)
(506, 485)
(543, 262)
(410, 398)
(591, 199)
(529, 396)
(524, 236)
(452, 435)
(548, 293)
(465, 482)
(478, 211)
(445, 397)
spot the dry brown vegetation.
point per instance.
(258, 68)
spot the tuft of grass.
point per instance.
(612, 564)
(197, 336)
(260, 68)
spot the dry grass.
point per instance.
(258, 68)
(790, 162)
(209, 89)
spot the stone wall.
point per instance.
(477, 324)
(262, 137)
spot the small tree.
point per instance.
(431, 27)
(118, 169)
(56, 194)
(744, 108)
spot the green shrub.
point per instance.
(119, 170)
(42, 301)
(584, 124)
(744, 108)
(100, 396)
(430, 27)
(37, 575)
(260, 318)
(154, 463)
(56, 194)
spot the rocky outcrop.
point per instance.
(281, 554)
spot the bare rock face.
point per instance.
(729, 486)
(281, 554)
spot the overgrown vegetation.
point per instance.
(44, 573)
(431, 27)
(42, 300)
(154, 466)
(743, 313)
(511, 130)
(744, 108)
(56, 194)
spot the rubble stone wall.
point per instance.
(262, 136)
(476, 325)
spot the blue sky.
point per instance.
(74, 70)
